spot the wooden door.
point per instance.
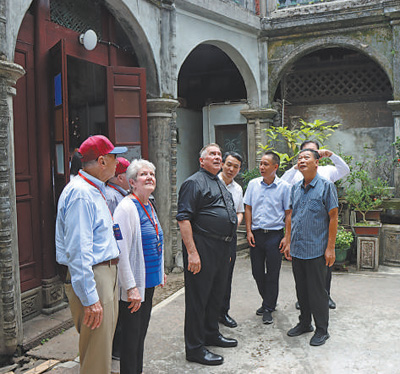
(26, 172)
(59, 122)
(127, 109)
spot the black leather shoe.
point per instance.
(221, 341)
(205, 357)
(332, 304)
(267, 317)
(299, 330)
(227, 320)
(297, 305)
(319, 339)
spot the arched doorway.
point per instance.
(211, 93)
(344, 86)
(67, 94)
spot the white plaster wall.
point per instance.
(221, 114)
(241, 46)
(190, 128)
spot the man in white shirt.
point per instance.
(117, 187)
(329, 172)
(231, 163)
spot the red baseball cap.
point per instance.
(123, 164)
(98, 145)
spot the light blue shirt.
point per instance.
(84, 234)
(114, 195)
(268, 203)
(310, 217)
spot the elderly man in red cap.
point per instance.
(117, 187)
(86, 244)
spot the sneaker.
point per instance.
(299, 330)
(319, 339)
(260, 311)
(267, 317)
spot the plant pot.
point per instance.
(367, 230)
(341, 255)
(371, 215)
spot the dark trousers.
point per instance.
(116, 346)
(204, 291)
(328, 279)
(226, 302)
(266, 261)
(310, 278)
(133, 332)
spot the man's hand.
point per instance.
(330, 257)
(286, 252)
(194, 262)
(250, 239)
(324, 153)
(93, 315)
(135, 299)
(283, 244)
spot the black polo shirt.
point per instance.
(201, 202)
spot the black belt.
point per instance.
(264, 231)
(227, 239)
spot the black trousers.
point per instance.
(310, 278)
(266, 261)
(226, 302)
(328, 279)
(133, 332)
(204, 291)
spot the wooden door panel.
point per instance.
(26, 172)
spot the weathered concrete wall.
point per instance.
(189, 125)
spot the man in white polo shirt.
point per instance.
(231, 164)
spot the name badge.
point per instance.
(117, 232)
(159, 246)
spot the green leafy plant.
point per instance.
(248, 175)
(396, 146)
(292, 138)
(344, 238)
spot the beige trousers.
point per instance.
(95, 346)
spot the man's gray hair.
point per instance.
(203, 151)
(135, 166)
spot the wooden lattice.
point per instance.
(77, 15)
(358, 83)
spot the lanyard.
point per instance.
(115, 188)
(153, 221)
(101, 193)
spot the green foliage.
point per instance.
(344, 238)
(293, 137)
(248, 175)
(396, 146)
(364, 191)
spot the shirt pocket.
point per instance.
(315, 205)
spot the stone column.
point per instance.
(257, 121)
(10, 293)
(161, 122)
(395, 107)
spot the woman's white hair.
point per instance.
(135, 166)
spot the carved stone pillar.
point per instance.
(10, 294)
(257, 121)
(161, 121)
(395, 107)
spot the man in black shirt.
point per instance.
(207, 221)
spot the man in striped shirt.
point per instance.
(314, 221)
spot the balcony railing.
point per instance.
(289, 3)
(251, 5)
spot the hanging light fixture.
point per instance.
(88, 40)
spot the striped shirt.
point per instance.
(152, 254)
(310, 217)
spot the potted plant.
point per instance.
(344, 239)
